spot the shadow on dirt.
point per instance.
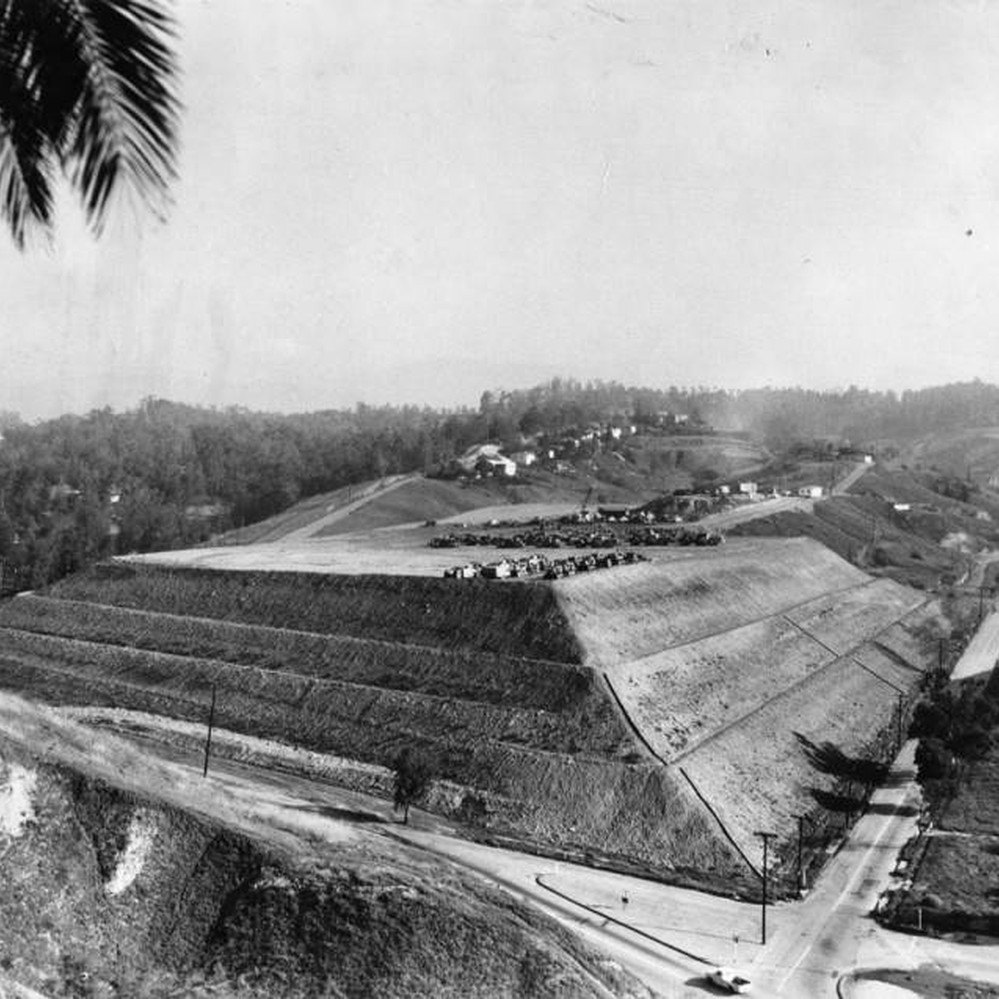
(341, 814)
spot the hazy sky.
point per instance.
(415, 200)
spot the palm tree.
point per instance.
(87, 89)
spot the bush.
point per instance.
(934, 760)
(413, 773)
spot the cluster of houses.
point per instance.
(554, 453)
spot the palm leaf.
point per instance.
(25, 162)
(88, 86)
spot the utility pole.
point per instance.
(981, 603)
(208, 740)
(898, 736)
(766, 837)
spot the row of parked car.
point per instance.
(541, 566)
(580, 538)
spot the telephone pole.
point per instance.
(766, 837)
(208, 740)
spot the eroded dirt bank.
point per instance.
(110, 891)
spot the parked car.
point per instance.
(726, 978)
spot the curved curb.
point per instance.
(538, 880)
(845, 981)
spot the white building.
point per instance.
(487, 455)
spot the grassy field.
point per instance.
(437, 499)
(956, 883)
(958, 874)
(955, 864)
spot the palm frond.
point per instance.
(88, 86)
(127, 114)
(25, 150)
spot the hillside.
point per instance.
(725, 661)
(638, 469)
(600, 714)
(916, 526)
(970, 453)
(123, 879)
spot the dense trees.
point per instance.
(775, 415)
(956, 724)
(166, 474)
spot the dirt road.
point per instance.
(753, 511)
(377, 490)
(843, 486)
(669, 937)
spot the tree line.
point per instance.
(166, 474)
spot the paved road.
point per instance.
(683, 933)
(830, 932)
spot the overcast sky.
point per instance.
(415, 200)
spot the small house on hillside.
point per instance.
(486, 460)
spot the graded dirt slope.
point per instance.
(640, 610)
(756, 773)
(721, 660)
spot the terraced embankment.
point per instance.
(725, 664)
(533, 748)
(645, 715)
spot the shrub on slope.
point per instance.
(365, 722)
(475, 676)
(516, 618)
